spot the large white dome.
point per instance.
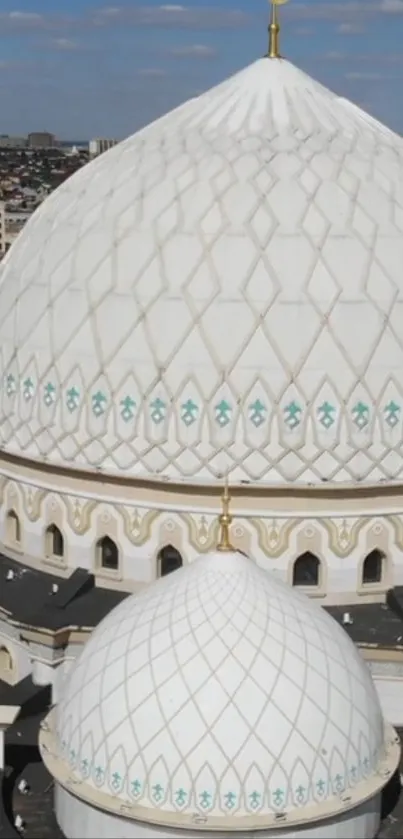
(220, 691)
(222, 291)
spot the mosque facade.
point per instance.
(217, 298)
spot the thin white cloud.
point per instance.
(23, 16)
(194, 51)
(65, 44)
(392, 7)
(363, 77)
(350, 29)
(191, 17)
(343, 11)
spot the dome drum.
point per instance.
(340, 806)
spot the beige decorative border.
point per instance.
(138, 523)
(365, 790)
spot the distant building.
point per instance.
(41, 140)
(7, 142)
(100, 145)
(12, 220)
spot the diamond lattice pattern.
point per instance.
(222, 291)
(220, 690)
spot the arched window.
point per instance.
(54, 542)
(6, 661)
(108, 554)
(13, 528)
(372, 569)
(169, 559)
(306, 570)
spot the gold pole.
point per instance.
(274, 31)
(225, 520)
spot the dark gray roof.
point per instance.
(28, 597)
(379, 624)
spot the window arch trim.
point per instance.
(307, 571)
(54, 542)
(169, 559)
(107, 554)
(373, 568)
(13, 527)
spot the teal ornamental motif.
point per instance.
(72, 399)
(320, 786)
(278, 797)
(49, 394)
(300, 794)
(72, 757)
(99, 402)
(326, 415)
(254, 800)
(361, 415)
(230, 800)
(127, 407)
(353, 774)
(28, 389)
(180, 797)
(205, 799)
(158, 411)
(292, 415)
(85, 768)
(157, 793)
(223, 413)
(338, 783)
(189, 412)
(392, 414)
(11, 385)
(116, 781)
(257, 413)
(136, 788)
(99, 775)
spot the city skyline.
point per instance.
(93, 69)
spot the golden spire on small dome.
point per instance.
(225, 520)
(274, 29)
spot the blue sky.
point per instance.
(85, 68)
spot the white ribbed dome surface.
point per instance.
(226, 280)
(220, 691)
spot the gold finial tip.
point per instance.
(225, 521)
(274, 29)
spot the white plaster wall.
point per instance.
(390, 692)
(340, 540)
(79, 820)
(60, 674)
(9, 637)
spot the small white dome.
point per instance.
(226, 280)
(220, 691)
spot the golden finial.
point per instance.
(225, 520)
(274, 29)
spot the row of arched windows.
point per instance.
(306, 569)
(107, 552)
